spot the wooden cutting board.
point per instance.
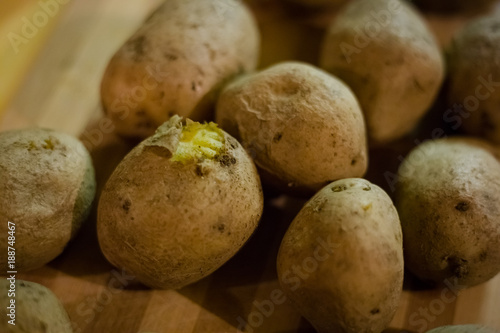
(59, 88)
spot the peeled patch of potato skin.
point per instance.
(303, 126)
(475, 78)
(447, 197)
(385, 52)
(47, 186)
(171, 222)
(341, 260)
(176, 63)
(37, 309)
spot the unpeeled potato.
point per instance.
(341, 260)
(47, 187)
(385, 52)
(179, 205)
(177, 62)
(303, 126)
(447, 196)
(36, 309)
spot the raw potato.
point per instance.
(179, 205)
(454, 6)
(37, 309)
(462, 329)
(47, 186)
(447, 197)
(384, 51)
(176, 63)
(341, 261)
(303, 126)
(475, 78)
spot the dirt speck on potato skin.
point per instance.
(462, 206)
(227, 160)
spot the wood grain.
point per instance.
(21, 43)
(61, 91)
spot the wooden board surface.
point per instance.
(59, 89)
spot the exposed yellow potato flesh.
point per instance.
(199, 141)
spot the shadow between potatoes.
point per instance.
(385, 159)
(83, 257)
(233, 287)
(287, 32)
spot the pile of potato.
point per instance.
(188, 197)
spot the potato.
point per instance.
(341, 261)
(454, 6)
(447, 197)
(384, 51)
(179, 205)
(303, 126)
(462, 329)
(37, 309)
(47, 187)
(176, 62)
(475, 78)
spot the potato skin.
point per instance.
(350, 230)
(384, 51)
(462, 329)
(303, 126)
(37, 309)
(176, 62)
(47, 186)
(447, 197)
(170, 224)
(472, 61)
